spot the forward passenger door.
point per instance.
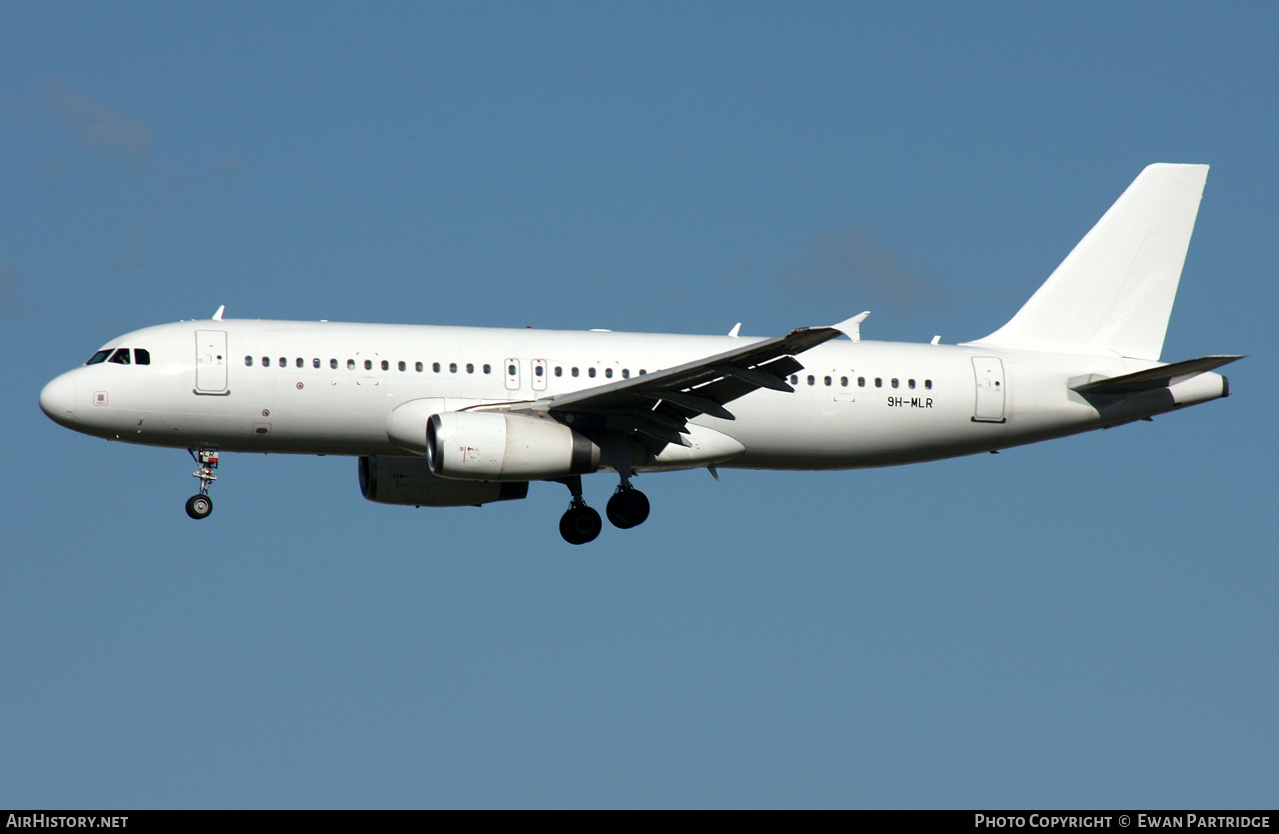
(210, 362)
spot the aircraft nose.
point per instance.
(57, 400)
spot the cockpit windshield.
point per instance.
(121, 356)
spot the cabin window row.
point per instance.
(844, 382)
(419, 367)
(590, 372)
(368, 364)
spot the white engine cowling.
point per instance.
(497, 446)
(411, 481)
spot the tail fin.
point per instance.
(1114, 292)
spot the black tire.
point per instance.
(199, 506)
(627, 509)
(580, 525)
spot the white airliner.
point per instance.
(461, 416)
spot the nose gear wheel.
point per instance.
(206, 460)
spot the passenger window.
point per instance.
(643, 372)
(928, 383)
(299, 363)
(626, 373)
(100, 356)
(510, 370)
(386, 366)
(538, 370)
(470, 369)
(284, 362)
(452, 367)
(402, 366)
(248, 361)
(861, 382)
(417, 366)
(368, 364)
(435, 366)
(894, 382)
(141, 356)
(315, 362)
(350, 364)
(910, 384)
(333, 363)
(827, 382)
(794, 379)
(879, 383)
(608, 372)
(812, 380)
(574, 372)
(121, 356)
(590, 372)
(843, 382)
(559, 371)
(488, 369)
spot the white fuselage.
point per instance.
(329, 388)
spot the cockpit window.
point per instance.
(100, 356)
(120, 357)
(141, 356)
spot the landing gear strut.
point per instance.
(200, 505)
(628, 507)
(579, 524)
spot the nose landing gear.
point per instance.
(200, 505)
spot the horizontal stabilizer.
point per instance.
(1154, 378)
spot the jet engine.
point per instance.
(411, 481)
(497, 446)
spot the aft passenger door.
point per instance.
(210, 362)
(989, 374)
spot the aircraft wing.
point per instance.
(659, 404)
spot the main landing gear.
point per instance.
(628, 507)
(580, 524)
(200, 505)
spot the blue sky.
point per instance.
(1088, 622)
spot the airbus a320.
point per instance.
(460, 416)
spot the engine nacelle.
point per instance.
(497, 446)
(411, 481)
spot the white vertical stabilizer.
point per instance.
(1114, 292)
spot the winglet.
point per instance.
(218, 315)
(852, 328)
(737, 328)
